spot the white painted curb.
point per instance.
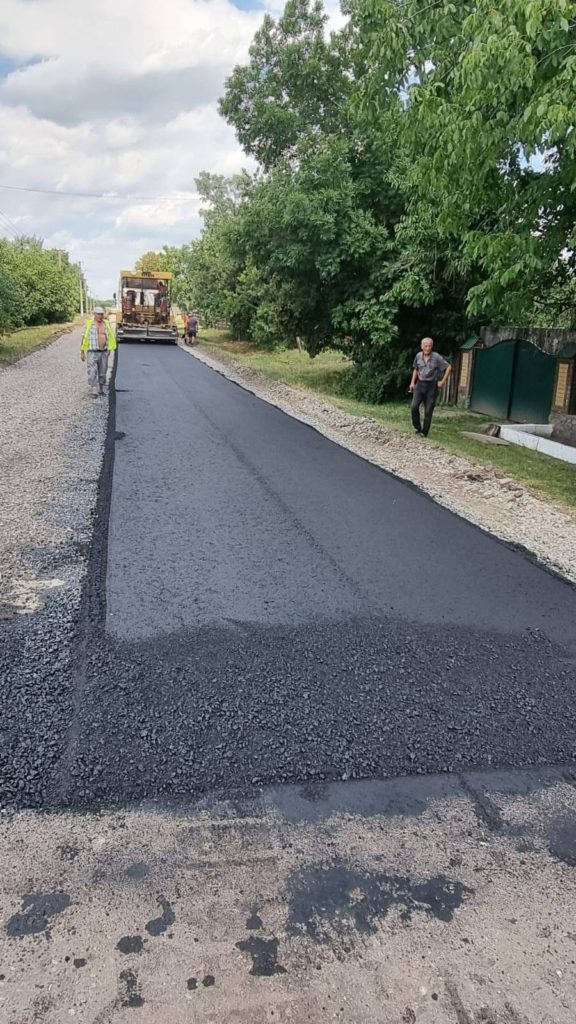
(536, 436)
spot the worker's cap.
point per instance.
(98, 309)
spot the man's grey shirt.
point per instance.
(431, 370)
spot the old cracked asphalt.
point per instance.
(278, 610)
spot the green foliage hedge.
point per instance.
(37, 285)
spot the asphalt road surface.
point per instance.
(261, 608)
(278, 610)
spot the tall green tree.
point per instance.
(415, 176)
(293, 84)
(489, 92)
(327, 217)
(179, 261)
(149, 263)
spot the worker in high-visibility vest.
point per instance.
(97, 343)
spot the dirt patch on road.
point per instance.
(481, 494)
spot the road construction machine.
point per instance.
(144, 308)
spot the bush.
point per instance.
(376, 384)
(37, 285)
(265, 330)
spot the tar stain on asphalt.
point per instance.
(336, 898)
(254, 922)
(158, 925)
(264, 953)
(129, 991)
(208, 981)
(562, 840)
(137, 870)
(129, 944)
(37, 911)
(68, 852)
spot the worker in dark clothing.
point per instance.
(431, 371)
(191, 328)
(161, 303)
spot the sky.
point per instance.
(117, 96)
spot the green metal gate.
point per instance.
(513, 380)
(493, 379)
(532, 385)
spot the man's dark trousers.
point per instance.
(425, 391)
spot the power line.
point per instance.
(7, 230)
(98, 195)
(8, 225)
(11, 222)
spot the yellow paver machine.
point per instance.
(144, 308)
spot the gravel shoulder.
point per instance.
(482, 495)
(25, 341)
(51, 445)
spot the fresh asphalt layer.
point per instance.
(279, 610)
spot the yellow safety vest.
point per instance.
(109, 332)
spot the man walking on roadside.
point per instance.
(431, 371)
(98, 341)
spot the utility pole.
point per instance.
(81, 283)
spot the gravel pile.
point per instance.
(481, 494)
(222, 710)
(51, 444)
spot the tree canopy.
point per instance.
(415, 176)
(489, 94)
(149, 263)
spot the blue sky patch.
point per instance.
(7, 65)
(248, 5)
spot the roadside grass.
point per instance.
(20, 343)
(323, 375)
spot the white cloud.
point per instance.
(170, 213)
(131, 35)
(117, 96)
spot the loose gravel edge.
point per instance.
(550, 526)
(91, 621)
(5, 364)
